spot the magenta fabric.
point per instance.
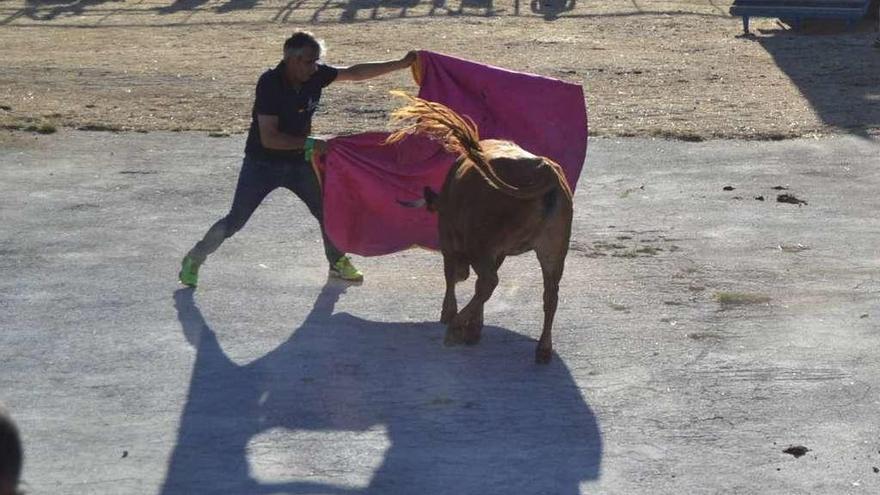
(363, 178)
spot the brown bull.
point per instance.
(498, 200)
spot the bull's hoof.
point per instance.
(446, 316)
(472, 333)
(543, 356)
(471, 338)
(462, 331)
(453, 336)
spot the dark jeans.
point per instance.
(259, 177)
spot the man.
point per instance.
(279, 146)
(10, 455)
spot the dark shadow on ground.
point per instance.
(181, 6)
(233, 5)
(836, 69)
(185, 5)
(47, 10)
(347, 10)
(551, 9)
(351, 8)
(481, 419)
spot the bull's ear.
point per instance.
(431, 199)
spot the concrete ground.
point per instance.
(701, 333)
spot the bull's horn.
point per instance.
(418, 203)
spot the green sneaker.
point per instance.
(189, 272)
(346, 271)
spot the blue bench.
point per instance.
(849, 10)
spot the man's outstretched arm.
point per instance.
(369, 70)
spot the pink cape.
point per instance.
(363, 178)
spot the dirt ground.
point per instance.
(679, 69)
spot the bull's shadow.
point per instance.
(475, 420)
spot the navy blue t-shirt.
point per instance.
(293, 106)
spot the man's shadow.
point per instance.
(464, 420)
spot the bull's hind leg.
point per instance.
(551, 267)
(467, 325)
(551, 254)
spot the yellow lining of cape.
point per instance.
(416, 70)
(314, 164)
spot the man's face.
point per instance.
(305, 64)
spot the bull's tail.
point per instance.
(459, 134)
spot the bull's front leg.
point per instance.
(450, 305)
(467, 325)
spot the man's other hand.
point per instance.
(409, 58)
(320, 147)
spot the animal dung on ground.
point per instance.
(796, 450)
(790, 198)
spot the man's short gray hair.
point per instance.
(301, 41)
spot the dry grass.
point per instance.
(727, 299)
